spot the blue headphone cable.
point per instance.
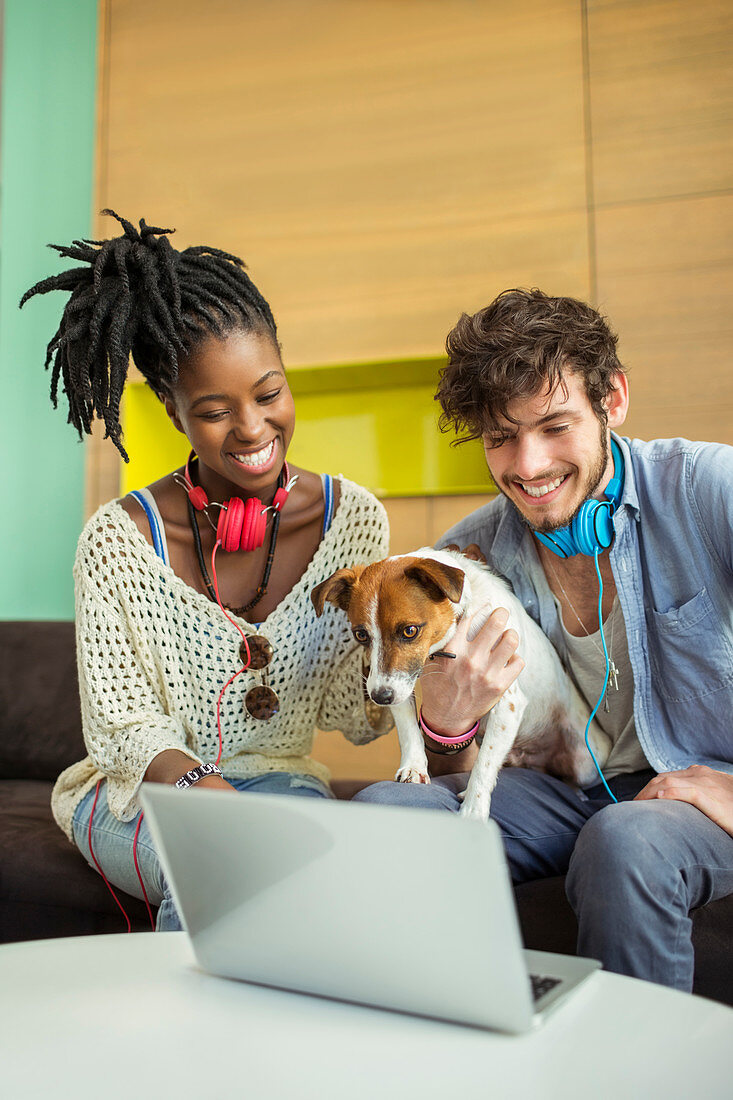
(605, 680)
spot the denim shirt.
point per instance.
(672, 560)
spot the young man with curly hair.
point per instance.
(538, 380)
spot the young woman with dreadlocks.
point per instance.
(202, 579)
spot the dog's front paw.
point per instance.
(476, 807)
(412, 774)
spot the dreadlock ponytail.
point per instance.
(135, 295)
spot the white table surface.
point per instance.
(132, 1015)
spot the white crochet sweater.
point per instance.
(153, 655)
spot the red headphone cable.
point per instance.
(134, 854)
(137, 868)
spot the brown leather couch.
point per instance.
(46, 887)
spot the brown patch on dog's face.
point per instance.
(398, 610)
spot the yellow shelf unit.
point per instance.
(376, 423)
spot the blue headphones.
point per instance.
(592, 528)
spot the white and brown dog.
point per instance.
(403, 609)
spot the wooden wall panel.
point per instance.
(670, 293)
(662, 97)
(381, 165)
(420, 521)
(661, 89)
(378, 760)
(445, 511)
(409, 523)
(102, 470)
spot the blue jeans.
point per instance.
(634, 870)
(112, 840)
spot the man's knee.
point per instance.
(427, 796)
(628, 841)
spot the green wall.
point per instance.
(46, 175)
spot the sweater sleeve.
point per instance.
(122, 691)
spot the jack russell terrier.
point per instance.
(404, 609)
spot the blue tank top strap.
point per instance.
(328, 495)
(145, 500)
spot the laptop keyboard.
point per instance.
(542, 985)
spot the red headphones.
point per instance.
(242, 523)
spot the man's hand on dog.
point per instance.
(710, 790)
(455, 694)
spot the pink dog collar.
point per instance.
(463, 740)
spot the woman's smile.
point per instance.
(233, 402)
(260, 460)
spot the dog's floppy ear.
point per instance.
(439, 581)
(336, 589)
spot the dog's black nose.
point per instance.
(383, 696)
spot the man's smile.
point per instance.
(542, 490)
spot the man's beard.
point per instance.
(593, 480)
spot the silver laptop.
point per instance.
(395, 908)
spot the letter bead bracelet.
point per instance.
(189, 778)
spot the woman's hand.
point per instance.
(710, 790)
(457, 693)
(168, 766)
